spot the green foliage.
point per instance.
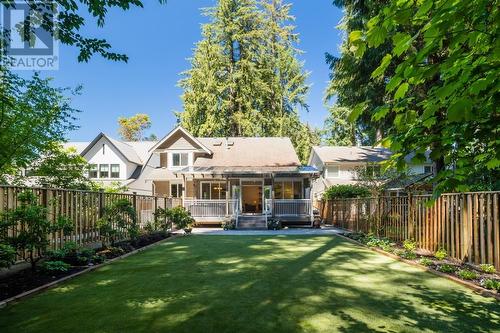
(487, 268)
(446, 268)
(55, 266)
(440, 254)
(33, 115)
(62, 168)
(245, 77)
(491, 284)
(7, 255)
(72, 254)
(132, 128)
(346, 191)
(117, 217)
(425, 262)
(467, 274)
(410, 255)
(180, 217)
(273, 224)
(229, 224)
(161, 220)
(410, 245)
(438, 64)
(31, 240)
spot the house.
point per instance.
(250, 179)
(341, 164)
(114, 162)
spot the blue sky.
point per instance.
(158, 40)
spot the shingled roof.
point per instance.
(350, 154)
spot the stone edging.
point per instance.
(478, 289)
(53, 284)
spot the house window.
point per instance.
(176, 190)
(213, 190)
(427, 168)
(332, 171)
(179, 159)
(93, 171)
(103, 170)
(288, 189)
(115, 170)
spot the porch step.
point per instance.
(256, 222)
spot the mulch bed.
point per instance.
(26, 279)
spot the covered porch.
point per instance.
(214, 194)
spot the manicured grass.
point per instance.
(255, 284)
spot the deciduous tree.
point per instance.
(132, 128)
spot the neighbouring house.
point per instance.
(249, 179)
(340, 165)
(115, 162)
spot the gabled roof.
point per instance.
(126, 150)
(351, 154)
(186, 133)
(248, 152)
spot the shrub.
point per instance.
(72, 254)
(98, 259)
(410, 255)
(7, 255)
(162, 221)
(487, 268)
(440, 254)
(229, 224)
(118, 215)
(31, 241)
(446, 268)
(181, 218)
(467, 274)
(491, 284)
(273, 224)
(410, 245)
(346, 191)
(56, 266)
(111, 252)
(426, 262)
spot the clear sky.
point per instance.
(158, 40)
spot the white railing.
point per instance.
(289, 207)
(211, 208)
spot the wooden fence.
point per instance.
(467, 225)
(84, 208)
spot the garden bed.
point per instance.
(67, 264)
(482, 276)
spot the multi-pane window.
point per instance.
(288, 190)
(332, 171)
(176, 190)
(427, 168)
(213, 190)
(179, 159)
(103, 170)
(373, 170)
(93, 171)
(115, 170)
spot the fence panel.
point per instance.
(84, 208)
(466, 225)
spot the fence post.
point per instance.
(101, 203)
(465, 229)
(409, 211)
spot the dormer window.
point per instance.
(179, 159)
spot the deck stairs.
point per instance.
(252, 222)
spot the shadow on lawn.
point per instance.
(260, 284)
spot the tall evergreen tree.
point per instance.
(245, 77)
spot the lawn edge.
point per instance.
(55, 283)
(477, 289)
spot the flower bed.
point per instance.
(483, 275)
(70, 260)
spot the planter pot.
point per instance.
(188, 230)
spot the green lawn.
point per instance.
(255, 284)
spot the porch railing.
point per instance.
(289, 207)
(211, 208)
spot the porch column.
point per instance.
(183, 189)
(272, 194)
(227, 196)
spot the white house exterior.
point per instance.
(338, 164)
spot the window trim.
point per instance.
(111, 170)
(210, 189)
(171, 159)
(108, 171)
(92, 170)
(179, 186)
(293, 181)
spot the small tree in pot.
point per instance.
(181, 218)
